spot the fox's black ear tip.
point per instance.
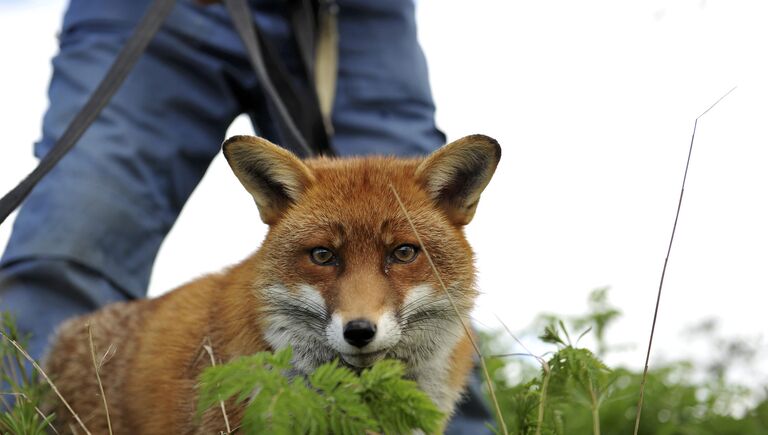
(241, 138)
(227, 145)
(478, 144)
(479, 137)
(492, 144)
(246, 143)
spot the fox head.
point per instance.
(341, 273)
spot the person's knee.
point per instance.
(40, 293)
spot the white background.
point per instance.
(593, 103)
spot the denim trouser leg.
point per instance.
(383, 101)
(91, 229)
(77, 290)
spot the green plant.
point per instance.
(333, 399)
(22, 391)
(573, 392)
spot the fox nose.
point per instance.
(359, 332)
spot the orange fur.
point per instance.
(345, 205)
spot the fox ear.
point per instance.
(456, 174)
(272, 175)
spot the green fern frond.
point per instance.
(333, 399)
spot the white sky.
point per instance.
(593, 103)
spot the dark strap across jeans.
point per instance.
(134, 47)
(307, 137)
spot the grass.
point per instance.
(579, 394)
(23, 396)
(42, 373)
(96, 369)
(208, 347)
(666, 261)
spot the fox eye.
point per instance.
(322, 256)
(404, 253)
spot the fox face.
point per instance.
(341, 273)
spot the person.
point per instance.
(90, 231)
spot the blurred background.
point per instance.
(593, 103)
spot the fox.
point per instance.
(340, 275)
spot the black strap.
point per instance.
(272, 75)
(298, 109)
(151, 21)
(303, 17)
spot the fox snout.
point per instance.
(363, 340)
(359, 332)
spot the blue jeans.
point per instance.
(89, 233)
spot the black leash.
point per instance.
(299, 112)
(129, 55)
(269, 71)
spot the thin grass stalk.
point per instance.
(14, 362)
(209, 349)
(543, 398)
(96, 368)
(544, 381)
(108, 354)
(458, 314)
(666, 260)
(12, 375)
(47, 379)
(595, 409)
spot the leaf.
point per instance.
(331, 399)
(551, 335)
